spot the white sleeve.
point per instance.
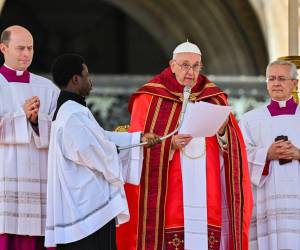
(83, 146)
(256, 155)
(44, 124)
(41, 140)
(132, 159)
(14, 128)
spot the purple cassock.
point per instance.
(289, 109)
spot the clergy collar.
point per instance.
(18, 72)
(282, 107)
(65, 96)
(12, 75)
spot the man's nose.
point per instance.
(277, 82)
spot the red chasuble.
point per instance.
(156, 206)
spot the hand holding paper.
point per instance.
(203, 119)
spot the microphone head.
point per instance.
(186, 92)
(187, 89)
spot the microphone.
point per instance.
(186, 95)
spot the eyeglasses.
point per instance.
(279, 78)
(186, 67)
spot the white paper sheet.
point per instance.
(203, 119)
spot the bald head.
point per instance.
(17, 47)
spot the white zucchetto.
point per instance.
(187, 47)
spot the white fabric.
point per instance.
(23, 156)
(282, 104)
(187, 47)
(131, 159)
(85, 181)
(275, 222)
(195, 206)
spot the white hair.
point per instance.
(293, 68)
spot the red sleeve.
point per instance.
(139, 112)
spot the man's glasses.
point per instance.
(279, 78)
(186, 67)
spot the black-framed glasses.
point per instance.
(186, 67)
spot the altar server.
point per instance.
(86, 198)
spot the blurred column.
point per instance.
(1, 5)
(293, 18)
(293, 27)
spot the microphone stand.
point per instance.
(186, 95)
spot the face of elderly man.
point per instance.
(186, 67)
(280, 83)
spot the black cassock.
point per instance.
(103, 239)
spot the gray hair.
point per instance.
(293, 68)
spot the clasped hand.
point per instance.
(283, 150)
(31, 109)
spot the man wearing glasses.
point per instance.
(186, 201)
(272, 137)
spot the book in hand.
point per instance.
(285, 138)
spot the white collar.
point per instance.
(282, 104)
(18, 72)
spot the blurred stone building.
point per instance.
(125, 42)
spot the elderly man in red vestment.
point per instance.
(198, 200)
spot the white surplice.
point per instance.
(23, 156)
(86, 177)
(275, 221)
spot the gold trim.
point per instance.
(193, 97)
(176, 242)
(293, 59)
(216, 100)
(179, 95)
(122, 128)
(154, 94)
(210, 224)
(147, 173)
(210, 85)
(233, 199)
(215, 94)
(161, 168)
(233, 185)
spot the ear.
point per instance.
(296, 84)
(172, 65)
(75, 79)
(3, 48)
